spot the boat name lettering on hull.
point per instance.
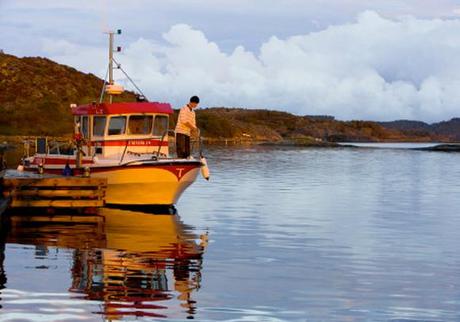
(141, 142)
(135, 143)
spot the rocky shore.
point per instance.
(302, 142)
(442, 148)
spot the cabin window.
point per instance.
(117, 125)
(161, 125)
(140, 124)
(84, 127)
(99, 125)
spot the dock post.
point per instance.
(4, 202)
(78, 156)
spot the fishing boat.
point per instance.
(125, 142)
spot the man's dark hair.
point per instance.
(194, 99)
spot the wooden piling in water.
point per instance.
(4, 202)
(33, 190)
(3, 205)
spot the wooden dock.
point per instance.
(24, 189)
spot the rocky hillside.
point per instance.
(35, 95)
(244, 124)
(450, 130)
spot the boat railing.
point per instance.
(66, 146)
(56, 146)
(124, 152)
(195, 144)
(155, 154)
(163, 136)
(45, 145)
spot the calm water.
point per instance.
(276, 235)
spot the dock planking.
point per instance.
(26, 189)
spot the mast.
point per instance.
(111, 38)
(111, 58)
(110, 87)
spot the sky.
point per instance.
(355, 59)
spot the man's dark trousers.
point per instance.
(182, 145)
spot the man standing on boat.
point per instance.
(185, 127)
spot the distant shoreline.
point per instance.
(15, 139)
(11, 146)
(28, 109)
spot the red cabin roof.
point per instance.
(122, 108)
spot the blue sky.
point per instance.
(379, 60)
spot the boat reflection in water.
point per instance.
(135, 263)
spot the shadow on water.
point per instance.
(3, 279)
(147, 209)
(143, 264)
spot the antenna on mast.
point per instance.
(109, 86)
(111, 33)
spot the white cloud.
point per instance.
(374, 68)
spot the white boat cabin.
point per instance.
(120, 129)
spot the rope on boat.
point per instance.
(129, 78)
(103, 85)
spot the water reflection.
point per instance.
(135, 264)
(3, 279)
